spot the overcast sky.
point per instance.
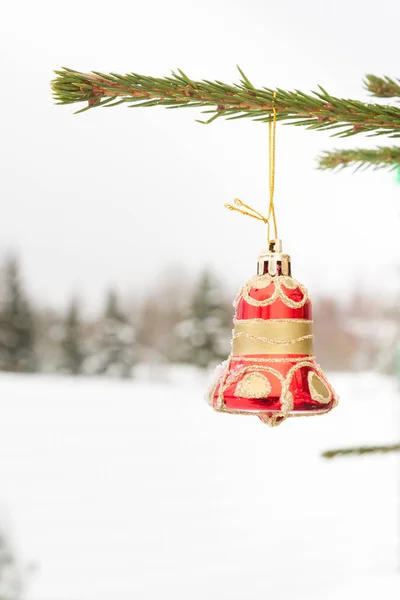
(117, 196)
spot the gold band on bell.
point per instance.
(274, 336)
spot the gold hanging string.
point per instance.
(251, 212)
(272, 147)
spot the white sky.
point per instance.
(116, 196)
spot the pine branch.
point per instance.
(362, 450)
(382, 87)
(380, 158)
(318, 110)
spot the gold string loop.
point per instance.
(251, 212)
(254, 213)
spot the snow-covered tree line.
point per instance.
(182, 320)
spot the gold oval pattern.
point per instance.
(253, 385)
(318, 389)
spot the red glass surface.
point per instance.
(276, 310)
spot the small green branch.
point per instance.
(380, 158)
(362, 450)
(382, 87)
(318, 110)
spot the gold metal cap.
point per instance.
(273, 261)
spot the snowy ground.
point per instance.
(132, 490)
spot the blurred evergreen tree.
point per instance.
(49, 334)
(113, 348)
(336, 346)
(203, 337)
(17, 330)
(162, 309)
(71, 343)
(11, 584)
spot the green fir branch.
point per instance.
(318, 110)
(382, 87)
(361, 158)
(362, 450)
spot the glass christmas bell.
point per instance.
(271, 371)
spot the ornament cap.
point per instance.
(275, 246)
(273, 261)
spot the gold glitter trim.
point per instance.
(246, 343)
(221, 382)
(259, 338)
(290, 283)
(263, 281)
(287, 403)
(273, 420)
(238, 321)
(272, 359)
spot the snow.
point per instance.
(131, 489)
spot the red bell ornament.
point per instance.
(271, 371)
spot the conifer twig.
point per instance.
(361, 450)
(318, 110)
(379, 158)
(382, 87)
